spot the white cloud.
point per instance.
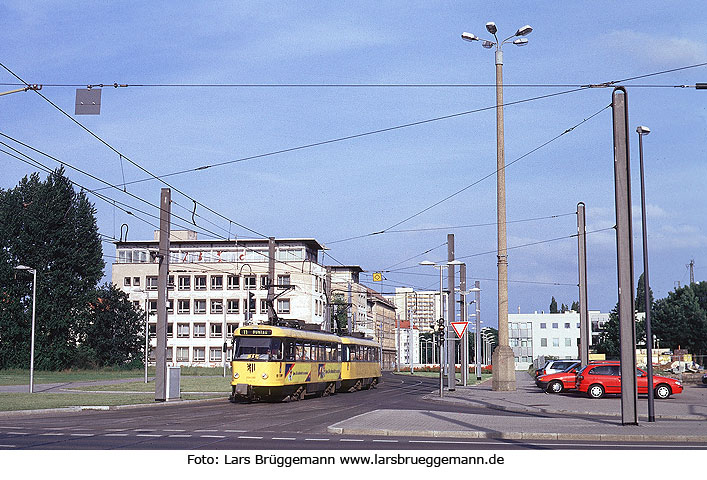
(657, 50)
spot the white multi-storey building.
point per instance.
(533, 335)
(210, 284)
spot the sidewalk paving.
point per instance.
(525, 414)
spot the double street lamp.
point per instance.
(34, 308)
(504, 369)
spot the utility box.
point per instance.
(173, 387)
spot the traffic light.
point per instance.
(440, 329)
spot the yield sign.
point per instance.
(459, 328)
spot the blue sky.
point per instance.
(367, 184)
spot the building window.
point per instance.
(231, 329)
(215, 354)
(199, 354)
(543, 325)
(182, 330)
(233, 306)
(567, 324)
(555, 325)
(249, 282)
(136, 281)
(170, 330)
(152, 330)
(577, 324)
(199, 330)
(152, 307)
(217, 282)
(126, 281)
(251, 306)
(234, 282)
(182, 354)
(168, 354)
(183, 306)
(170, 282)
(568, 342)
(199, 282)
(215, 330)
(170, 306)
(283, 305)
(184, 282)
(263, 306)
(264, 282)
(555, 342)
(283, 280)
(151, 283)
(216, 306)
(543, 342)
(199, 306)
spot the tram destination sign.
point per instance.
(253, 331)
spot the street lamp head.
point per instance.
(487, 44)
(455, 262)
(643, 130)
(491, 27)
(524, 30)
(428, 262)
(22, 267)
(520, 41)
(469, 37)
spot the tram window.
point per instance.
(322, 353)
(276, 349)
(329, 353)
(337, 353)
(307, 354)
(255, 348)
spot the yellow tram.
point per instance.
(273, 362)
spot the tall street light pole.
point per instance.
(646, 284)
(34, 309)
(503, 362)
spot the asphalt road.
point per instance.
(218, 424)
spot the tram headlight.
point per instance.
(235, 375)
(265, 376)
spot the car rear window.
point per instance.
(605, 370)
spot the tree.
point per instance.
(641, 295)
(51, 228)
(339, 311)
(114, 332)
(553, 306)
(564, 308)
(679, 321)
(575, 306)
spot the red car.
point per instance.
(598, 379)
(558, 382)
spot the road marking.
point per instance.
(250, 438)
(179, 436)
(350, 440)
(284, 438)
(212, 436)
(116, 429)
(55, 428)
(50, 434)
(8, 446)
(235, 431)
(386, 441)
(147, 435)
(438, 441)
(82, 434)
(12, 428)
(317, 439)
(173, 430)
(116, 434)
(205, 431)
(17, 433)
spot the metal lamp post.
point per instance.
(646, 285)
(34, 309)
(147, 326)
(504, 369)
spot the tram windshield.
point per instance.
(257, 348)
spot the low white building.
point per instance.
(533, 335)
